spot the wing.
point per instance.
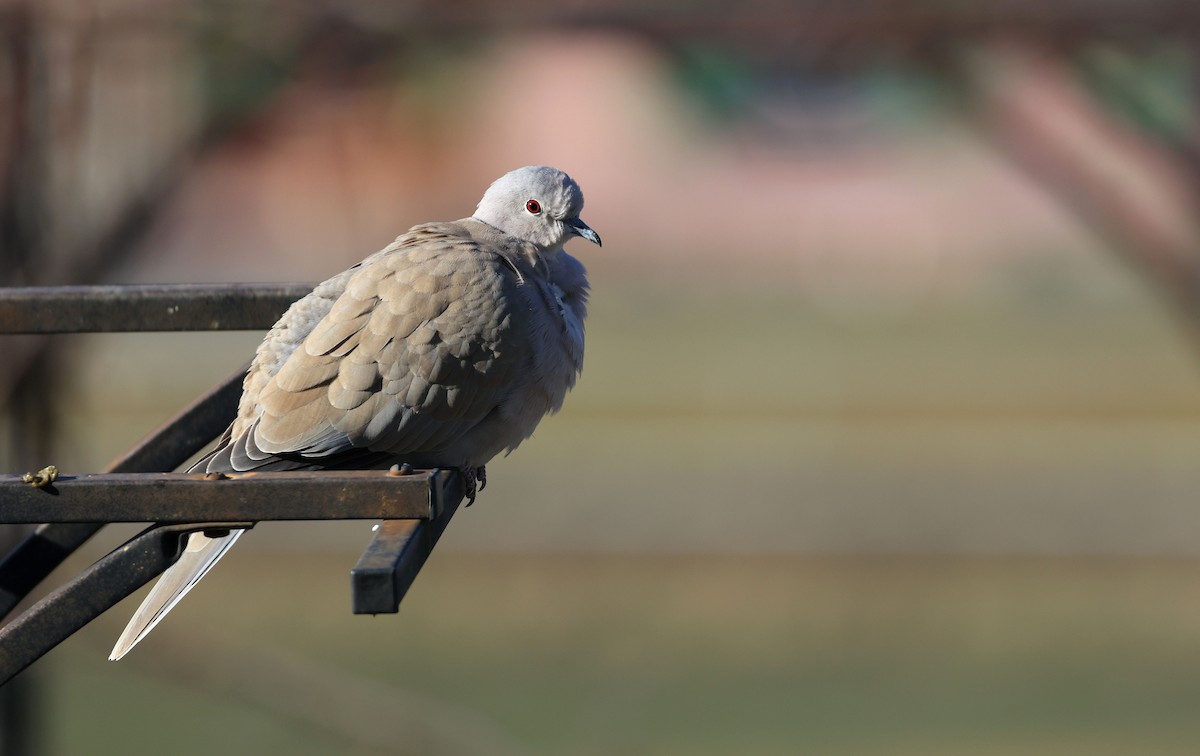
(423, 342)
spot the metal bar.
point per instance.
(398, 551)
(195, 497)
(95, 590)
(168, 447)
(158, 307)
(387, 564)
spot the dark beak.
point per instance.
(582, 229)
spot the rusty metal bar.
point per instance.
(168, 447)
(194, 497)
(396, 554)
(157, 307)
(95, 590)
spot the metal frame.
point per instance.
(414, 506)
(154, 307)
(240, 497)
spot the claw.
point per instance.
(474, 481)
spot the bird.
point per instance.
(442, 350)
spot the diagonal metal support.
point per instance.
(97, 589)
(426, 500)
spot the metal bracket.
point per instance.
(415, 507)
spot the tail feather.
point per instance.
(198, 558)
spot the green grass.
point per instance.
(558, 654)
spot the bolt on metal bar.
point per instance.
(168, 447)
(157, 307)
(396, 554)
(196, 497)
(95, 590)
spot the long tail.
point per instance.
(198, 558)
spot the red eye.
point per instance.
(533, 207)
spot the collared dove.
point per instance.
(442, 350)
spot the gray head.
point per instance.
(537, 204)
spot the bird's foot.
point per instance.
(474, 481)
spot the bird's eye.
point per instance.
(533, 206)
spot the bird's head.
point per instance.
(537, 204)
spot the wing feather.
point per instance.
(418, 345)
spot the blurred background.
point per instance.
(887, 437)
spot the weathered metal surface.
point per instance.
(195, 497)
(398, 551)
(168, 447)
(57, 616)
(158, 307)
